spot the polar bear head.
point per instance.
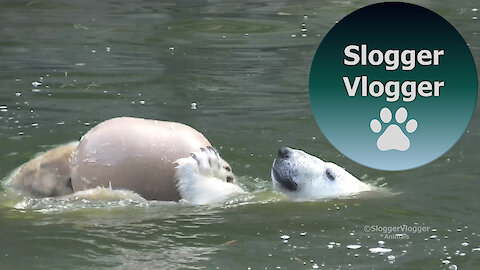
(301, 176)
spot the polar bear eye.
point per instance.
(228, 168)
(330, 174)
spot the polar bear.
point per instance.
(200, 178)
(46, 175)
(157, 160)
(301, 176)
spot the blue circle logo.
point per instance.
(393, 86)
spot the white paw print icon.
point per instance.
(393, 137)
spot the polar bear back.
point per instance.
(134, 154)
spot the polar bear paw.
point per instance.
(205, 177)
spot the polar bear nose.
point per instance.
(284, 152)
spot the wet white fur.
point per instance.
(46, 175)
(310, 175)
(202, 178)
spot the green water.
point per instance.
(97, 60)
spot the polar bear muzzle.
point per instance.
(285, 181)
(282, 173)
